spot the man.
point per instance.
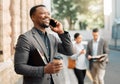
(47, 44)
(95, 47)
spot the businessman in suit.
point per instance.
(48, 45)
(95, 47)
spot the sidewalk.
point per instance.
(70, 77)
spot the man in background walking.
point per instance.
(97, 46)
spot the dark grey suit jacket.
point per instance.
(102, 49)
(29, 66)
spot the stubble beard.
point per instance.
(44, 25)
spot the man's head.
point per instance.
(95, 34)
(77, 37)
(40, 16)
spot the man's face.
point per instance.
(95, 35)
(41, 17)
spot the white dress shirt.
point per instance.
(95, 46)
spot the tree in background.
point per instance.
(91, 12)
(65, 9)
(95, 14)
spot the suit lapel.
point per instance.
(91, 46)
(40, 42)
(99, 47)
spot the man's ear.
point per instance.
(33, 17)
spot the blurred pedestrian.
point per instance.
(96, 47)
(80, 58)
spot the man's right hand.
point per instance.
(89, 57)
(52, 68)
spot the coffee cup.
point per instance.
(57, 60)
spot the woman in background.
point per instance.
(79, 56)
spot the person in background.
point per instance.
(80, 58)
(47, 44)
(97, 46)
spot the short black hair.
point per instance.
(76, 35)
(95, 30)
(33, 9)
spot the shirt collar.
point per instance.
(97, 39)
(40, 32)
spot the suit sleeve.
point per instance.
(105, 48)
(21, 58)
(65, 46)
(88, 49)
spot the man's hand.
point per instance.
(52, 68)
(107, 60)
(89, 57)
(101, 59)
(58, 29)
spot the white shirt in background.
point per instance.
(80, 59)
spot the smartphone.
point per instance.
(52, 23)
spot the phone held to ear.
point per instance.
(52, 23)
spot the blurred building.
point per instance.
(115, 35)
